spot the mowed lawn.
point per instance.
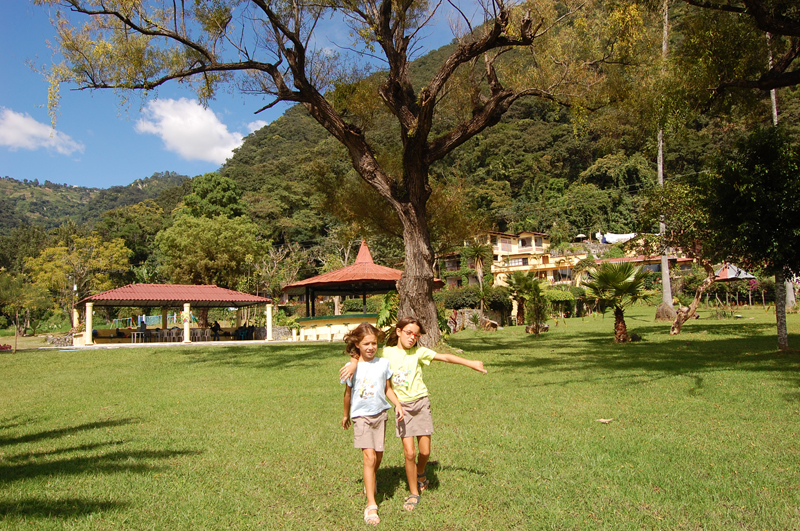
(704, 434)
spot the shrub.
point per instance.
(459, 298)
(561, 300)
(357, 305)
(615, 251)
(498, 299)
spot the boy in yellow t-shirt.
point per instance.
(406, 360)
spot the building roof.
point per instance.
(642, 258)
(516, 235)
(364, 276)
(730, 272)
(173, 295)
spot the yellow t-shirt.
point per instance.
(407, 370)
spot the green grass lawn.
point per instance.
(704, 435)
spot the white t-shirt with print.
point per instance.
(369, 390)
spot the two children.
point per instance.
(365, 403)
(406, 360)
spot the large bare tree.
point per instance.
(268, 48)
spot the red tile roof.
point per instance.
(173, 295)
(354, 278)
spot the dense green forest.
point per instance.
(288, 203)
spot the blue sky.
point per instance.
(96, 141)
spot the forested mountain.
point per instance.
(48, 205)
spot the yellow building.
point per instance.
(526, 251)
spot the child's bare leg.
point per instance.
(424, 442)
(378, 459)
(410, 453)
(370, 460)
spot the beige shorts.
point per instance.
(370, 432)
(418, 420)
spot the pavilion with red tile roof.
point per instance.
(360, 278)
(171, 296)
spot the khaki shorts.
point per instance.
(370, 432)
(418, 420)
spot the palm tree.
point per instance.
(520, 284)
(618, 285)
(479, 253)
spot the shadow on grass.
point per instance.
(12, 422)
(137, 461)
(62, 432)
(281, 356)
(68, 508)
(592, 355)
(392, 480)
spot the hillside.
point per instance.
(49, 204)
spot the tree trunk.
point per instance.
(684, 314)
(791, 302)
(202, 319)
(620, 328)
(415, 287)
(479, 271)
(521, 312)
(780, 310)
(16, 332)
(666, 284)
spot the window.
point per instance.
(518, 262)
(538, 241)
(524, 242)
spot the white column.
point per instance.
(294, 334)
(88, 334)
(187, 325)
(269, 322)
(76, 318)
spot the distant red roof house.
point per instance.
(173, 295)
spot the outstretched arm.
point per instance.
(475, 365)
(390, 394)
(348, 391)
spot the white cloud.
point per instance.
(252, 127)
(189, 130)
(21, 131)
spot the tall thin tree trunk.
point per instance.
(16, 331)
(773, 96)
(780, 310)
(666, 284)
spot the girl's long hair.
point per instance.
(391, 339)
(354, 337)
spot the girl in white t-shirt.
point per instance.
(365, 402)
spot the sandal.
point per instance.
(373, 519)
(422, 485)
(410, 502)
